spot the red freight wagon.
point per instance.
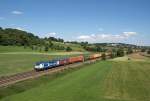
(76, 59)
(63, 62)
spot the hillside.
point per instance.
(30, 42)
(22, 39)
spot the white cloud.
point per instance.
(51, 34)
(1, 18)
(17, 12)
(129, 33)
(19, 28)
(84, 37)
(106, 37)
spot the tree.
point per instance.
(32, 47)
(103, 56)
(148, 52)
(40, 49)
(25, 46)
(68, 49)
(50, 43)
(11, 36)
(46, 48)
(143, 50)
(114, 53)
(129, 51)
(99, 49)
(120, 52)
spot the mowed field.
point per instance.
(111, 80)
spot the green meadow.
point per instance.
(102, 81)
(16, 59)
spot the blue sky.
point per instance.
(82, 20)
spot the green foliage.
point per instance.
(129, 51)
(143, 50)
(148, 52)
(113, 53)
(103, 56)
(58, 47)
(46, 48)
(120, 52)
(68, 49)
(15, 37)
(94, 48)
(10, 36)
(54, 39)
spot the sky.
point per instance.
(95, 21)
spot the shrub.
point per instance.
(68, 49)
(103, 56)
(148, 52)
(120, 52)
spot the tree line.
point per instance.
(9, 36)
(15, 37)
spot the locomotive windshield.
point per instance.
(38, 63)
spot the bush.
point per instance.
(68, 49)
(103, 56)
(46, 48)
(120, 52)
(112, 55)
(129, 51)
(148, 52)
(143, 50)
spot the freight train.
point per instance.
(65, 61)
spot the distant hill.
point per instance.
(15, 37)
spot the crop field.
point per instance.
(102, 81)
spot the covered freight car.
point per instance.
(64, 61)
(76, 59)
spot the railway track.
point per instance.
(8, 80)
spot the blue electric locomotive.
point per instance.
(46, 65)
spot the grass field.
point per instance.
(102, 81)
(15, 62)
(15, 59)
(4, 49)
(75, 47)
